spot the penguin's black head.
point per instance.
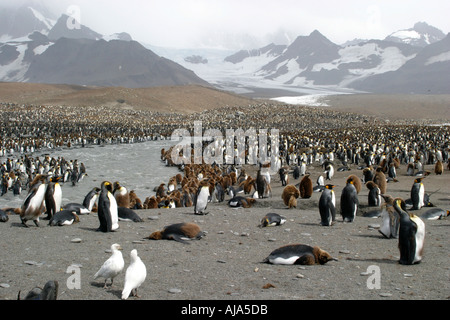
(107, 185)
(400, 203)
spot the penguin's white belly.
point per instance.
(420, 239)
(36, 202)
(202, 199)
(286, 261)
(57, 196)
(114, 212)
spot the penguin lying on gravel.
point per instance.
(180, 232)
(299, 254)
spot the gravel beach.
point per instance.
(227, 263)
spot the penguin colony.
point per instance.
(198, 185)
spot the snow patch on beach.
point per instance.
(315, 100)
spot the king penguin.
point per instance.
(272, 219)
(181, 232)
(411, 235)
(90, 199)
(31, 208)
(121, 195)
(418, 194)
(390, 219)
(284, 176)
(64, 218)
(306, 187)
(107, 209)
(201, 199)
(53, 197)
(329, 171)
(298, 254)
(374, 196)
(349, 201)
(327, 206)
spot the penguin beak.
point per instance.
(333, 259)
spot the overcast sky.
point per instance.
(194, 23)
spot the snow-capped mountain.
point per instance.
(427, 73)
(24, 20)
(421, 35)
(316, 61)
(313, 63)
(55, 53)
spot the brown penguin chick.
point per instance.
(172, 184)
(438, 167)
(248, 184)
(121, 195)
(186, 197)
(152, 203)
(161, 191)
(247, 202)
(233, 177)
(380, 179)
(226, 182)
(290, 195)
(179, 232)
(306, 187)
(356, 182)
(135, 202)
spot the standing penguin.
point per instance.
(121, 195)
(53, 197)
(201, 199)
(390, 219)
(411, 235)
(90, 199)
(374, 196)
(31, 208)
(380, 179)
(418, 194)
(349, 201)
(368, 174)
(262, 184)
(392, 172)
(306, 187)
(438, 167)
(329, 171)
(290, 195)
(327, 206)
(284, 177)
(296, 172)
(107, 209)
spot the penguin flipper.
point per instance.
(176, 237)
